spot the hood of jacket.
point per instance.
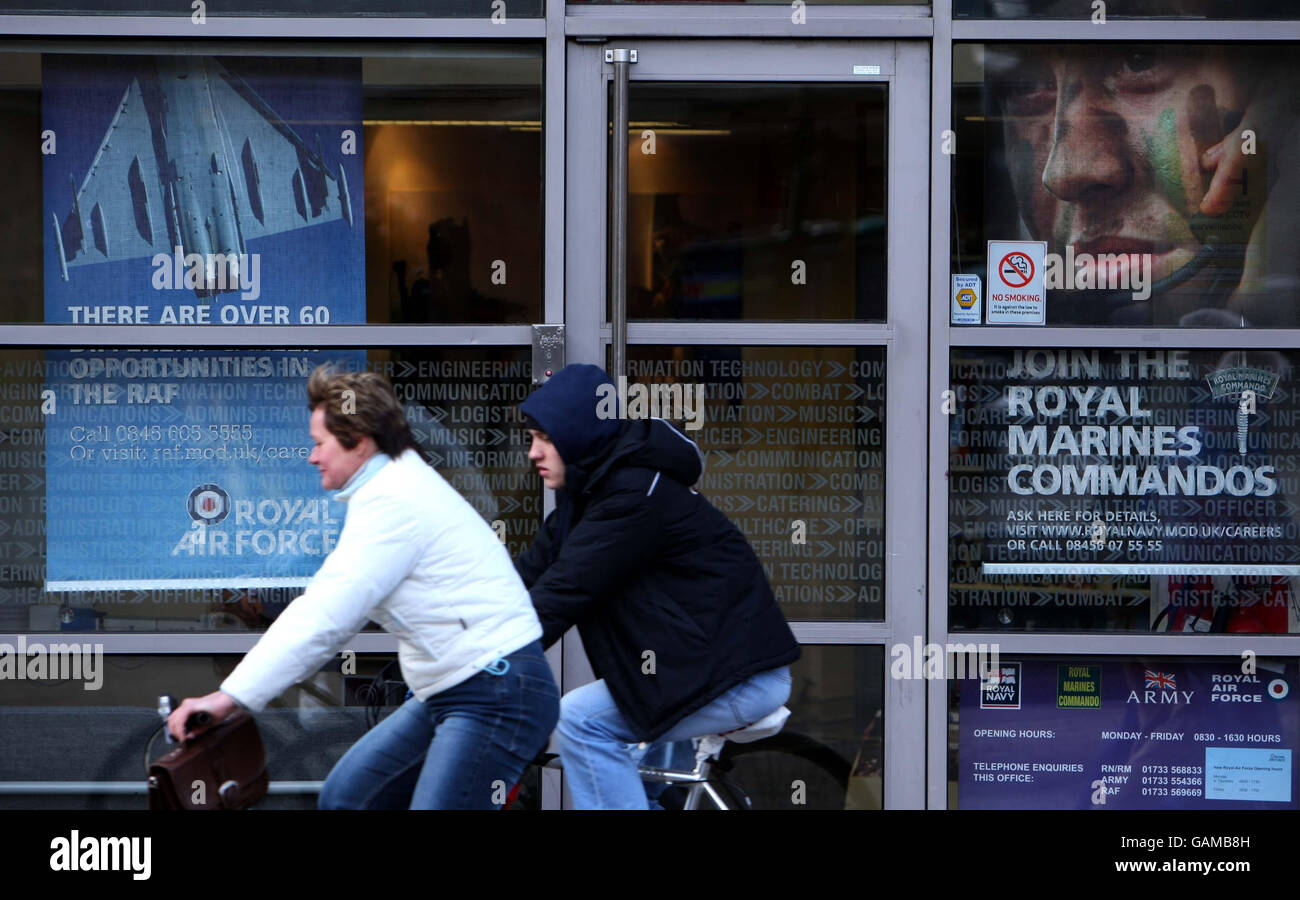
(578, 411)
(570, 410)
(649, 444)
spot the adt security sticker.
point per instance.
(966, 306)
(1017, 285)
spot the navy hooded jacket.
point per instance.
(640, 562)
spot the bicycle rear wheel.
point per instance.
(788, 771)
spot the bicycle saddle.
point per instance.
(767, 726)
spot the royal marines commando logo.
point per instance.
(1248, 386)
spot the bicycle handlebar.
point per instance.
(200, 719)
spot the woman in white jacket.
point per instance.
(417, 559)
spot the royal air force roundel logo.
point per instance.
(208, 503)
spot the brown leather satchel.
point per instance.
(227, 759)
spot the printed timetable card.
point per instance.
(1237, 773)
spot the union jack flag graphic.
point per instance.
(1160, 680)
(1003, 675)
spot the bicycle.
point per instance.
(715, 758)
(763, 744)
(707, 778)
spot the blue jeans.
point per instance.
(463, 748)
(600, 752)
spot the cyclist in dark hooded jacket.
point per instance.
(675, 613)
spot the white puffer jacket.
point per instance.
(416, 558)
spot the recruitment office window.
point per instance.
(1160, 186)
(1126, 490)
(98, 722)
(794, 444)
(756, 201)
(454, 188)
(282, 8)
(338, 190)
(159, 490)
(830, 754)
(1108, 488)
(1129, 9)
(101, 719)
(764, 2)
(1107, 732)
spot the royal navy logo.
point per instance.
(1000, 688)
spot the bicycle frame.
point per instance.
(697, 778)
(698, 781)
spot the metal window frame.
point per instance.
(746, 21)
(261, 337)
(1120, 29)
(943, 337)
(185, 643)
(365, 38)
(274, 27)
(569, 116)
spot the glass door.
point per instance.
(751, 217)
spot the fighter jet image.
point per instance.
(194, 159)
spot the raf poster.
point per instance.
(202, 190)
(193, 191)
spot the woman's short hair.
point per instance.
(358, 404)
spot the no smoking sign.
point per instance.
(1017, 293)
(1016, 270)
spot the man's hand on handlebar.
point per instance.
(219, 706)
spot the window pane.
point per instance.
(102, 726)
(280, 8)
(756, 201)
(308, 191)
(830, 755)
(1161, 189)
(795, 455)
(22, 229)
(1135, 490)
(454, 187)
(1157, 733)
(156, 491)
(1131, 9)
(778, 2)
